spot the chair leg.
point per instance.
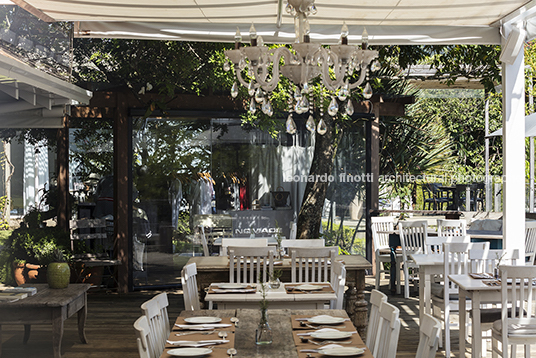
(378, 272)
(406, 283)
(398, 269)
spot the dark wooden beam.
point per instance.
(63, 175)
(122, 193)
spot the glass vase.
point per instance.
(274, 284)
(263, 334)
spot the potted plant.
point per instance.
(58, 271)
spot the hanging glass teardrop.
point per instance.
(259, 95)
(297, 94)
(290, 125)
(306, 88)
(241, 63)
(349, 107)
(322, 128)
(226, 66)
(344, 91)
(267, 108)
(375, 66)
(234, 90)
(367, 92)
(251, 88)
(333, 107)
(310, 124)
(305, 104)
(252, 106)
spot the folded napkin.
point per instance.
(197, 343)
(321, 316)
(322, 330)
(202, 327)
(238, 290)
(480, 275)
(327, 346)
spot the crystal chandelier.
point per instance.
(258, 68)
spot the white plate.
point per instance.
(189, 352)
(342, 351)
(202, 319)
(331, 334)
(232, 286)
(308, 287)
(324, 319)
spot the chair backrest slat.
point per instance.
(189, 287)
(247, 263)
(376, 299)
(312, 264)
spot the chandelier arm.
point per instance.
(330, 84)
(241, 79)
(270, 85)
(360, 80)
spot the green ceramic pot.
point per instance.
(58, 274)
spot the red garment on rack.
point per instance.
(244, 200)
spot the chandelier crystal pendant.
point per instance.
(258, 68)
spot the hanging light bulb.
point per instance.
(253, 35)
(237, 36)
(251, 88)
(333, 107)
(234, 90)
(367, 92)
(259, 95)
(344, 34)
(322, 127)
(310, 124)
(290, 125)
(364, 39)
(349, 107)
(252, 106)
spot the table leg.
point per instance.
(421, 292)
(27, 329)
(82, 314)
(463, 324)
(57, 330)
(356, 306)
(477, 329)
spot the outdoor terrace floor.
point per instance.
(110, 332)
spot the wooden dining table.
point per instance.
(286, 330)
(216, 269)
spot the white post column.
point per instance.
(513, 90)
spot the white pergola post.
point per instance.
(513, 90)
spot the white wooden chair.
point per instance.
(312, 264)
(429, 334)
(247, 263)
(413, 236)
(163, 304)
(456, 261)
(203, 238)
(251, 242)
(338, 281)
(189, 287)
(157, 340)
(376, 299)
(450, 227)
(145, 348)
(434, 244)
(388, 332)
(485, 261)
(516, 326)
(530, 242)
(303, 243)
(381, 226)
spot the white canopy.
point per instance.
(387, 21)
(530, 127)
